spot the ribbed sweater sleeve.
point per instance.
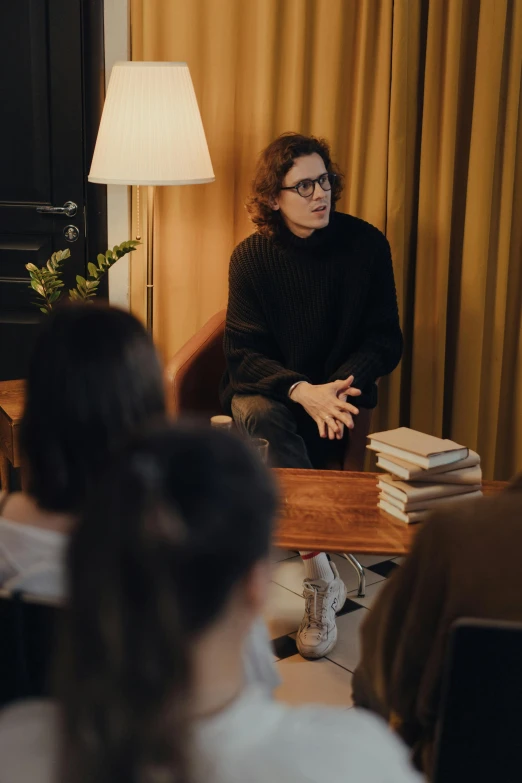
(253, 358)
(381, 349)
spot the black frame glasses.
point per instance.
(305, 185)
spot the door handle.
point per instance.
(69, 209)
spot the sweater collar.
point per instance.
(316, 244)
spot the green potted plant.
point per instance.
(46, 280)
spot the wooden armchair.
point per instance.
(194, 373)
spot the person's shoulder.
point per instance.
(480, 525)
(357, 743)
(30, 714)
(280, 743)
(29, 742)
(356, 227)
(252, 247)
(493, 513)
(362, 239)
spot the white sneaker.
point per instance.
(317, 633)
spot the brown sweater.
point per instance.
(464, 563)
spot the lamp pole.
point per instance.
(151, 193)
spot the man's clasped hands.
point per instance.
(327, 404)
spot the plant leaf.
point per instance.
(37, 287)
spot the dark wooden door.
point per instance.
(44, 154)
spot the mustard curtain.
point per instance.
(420, 100)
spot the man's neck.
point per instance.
(299, 231)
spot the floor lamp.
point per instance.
(151, 134)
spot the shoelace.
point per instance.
(314, 596)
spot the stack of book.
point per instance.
(423, 473)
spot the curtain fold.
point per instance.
(421, 101)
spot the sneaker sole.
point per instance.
(315, 655)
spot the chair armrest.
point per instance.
(192, 375)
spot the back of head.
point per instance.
(180, 502)
(94, 378)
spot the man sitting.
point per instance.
(312, 321)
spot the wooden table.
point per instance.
(11, 410)
(336, 511)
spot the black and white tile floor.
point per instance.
(327, 681)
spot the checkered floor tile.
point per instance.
(327, 681)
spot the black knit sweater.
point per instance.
(316, 309)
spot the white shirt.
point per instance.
(31, 559)
(255, 740)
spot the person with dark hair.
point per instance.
(152, 685)
(94, 380)
(312, 322)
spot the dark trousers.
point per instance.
(293, 438)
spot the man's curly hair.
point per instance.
(273, 164)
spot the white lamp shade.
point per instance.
(151, 131)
